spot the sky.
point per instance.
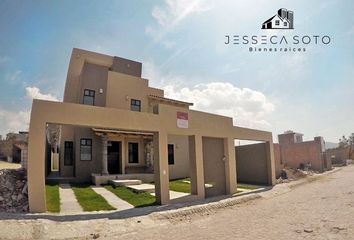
(182, 47)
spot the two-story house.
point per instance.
(114, 126)
(113, 82)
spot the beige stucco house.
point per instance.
(113, 125)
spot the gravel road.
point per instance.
(322, 209)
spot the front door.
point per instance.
(113, 157)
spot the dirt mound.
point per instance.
(13, 190)
(294, 174)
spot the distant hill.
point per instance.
(331, 145)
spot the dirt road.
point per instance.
(323, 209)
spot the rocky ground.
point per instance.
(13, 190)
(320, 209)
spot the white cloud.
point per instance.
(172, 13)
(13, 121)
(175, 11)
(151, 72)
(248, 108)
(35, 93)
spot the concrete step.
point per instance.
(150, 188)
(126, 182)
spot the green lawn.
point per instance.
(180, 185)
(136, 199)
(53, 198)
(247, 186)
(89, 199)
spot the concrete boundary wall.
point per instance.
(251, 162)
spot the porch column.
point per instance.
(230, 165)
(104, 154)
(161, 168)
(270, 162)
(124, 155)
(196, 166)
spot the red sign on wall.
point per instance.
(182, 120)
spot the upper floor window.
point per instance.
(276, 22)
(135, 105)
(89, 97)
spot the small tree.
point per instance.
(53, 133)
(347, 143)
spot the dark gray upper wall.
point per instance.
(126, 66)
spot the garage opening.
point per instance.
(252, 162)
(178, 168)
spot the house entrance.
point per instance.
(214, 166)
(114, 157)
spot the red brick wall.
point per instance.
(293, 155)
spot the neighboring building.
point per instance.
(20, 153)
(296, 153)
(21, 136)
(114, 126)
(283, 20)
(11, 147)
(338, 155)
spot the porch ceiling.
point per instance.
(168, 100)
(117, 132)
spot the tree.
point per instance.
(347, 143)
(53, 133)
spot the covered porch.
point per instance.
(125, 155)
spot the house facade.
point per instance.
(114, 82)
(114, 126)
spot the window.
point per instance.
(133, 152)
(171, 154)
(89, 97)
(135, 105)
(85, 149)
(276, 22)
(285, 24)
(68, 153)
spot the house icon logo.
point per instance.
(284, 19)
